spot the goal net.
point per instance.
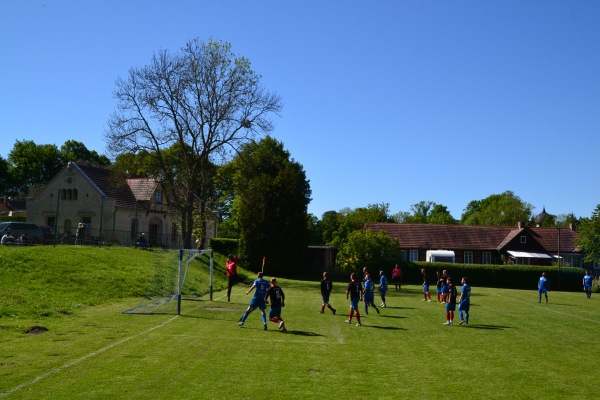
(189, 277)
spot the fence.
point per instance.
(105, 237)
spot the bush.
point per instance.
(224, 246)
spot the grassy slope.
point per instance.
(514, 348)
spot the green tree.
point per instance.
(330, 222)
(589, 236)
(271, 200)
(426, 212)
(6, 181)
(504, 209)
(354, 220)
(73, 150)
(32, 165)
(367, 249)
(204, 99)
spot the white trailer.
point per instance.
(440, 256)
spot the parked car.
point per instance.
(33, 232)
(47, 234)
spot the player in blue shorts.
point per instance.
(450, 302)
(369, 294)
(588, 282)
(383, 288)
(464, 303)
(277, 297)
(355, 291)
(258, 300)
(426, 295)
(326, 287)
(543, 288)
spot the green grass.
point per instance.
(513, 348)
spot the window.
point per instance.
(50, 221)
(413, 255)
(523, 239)
(404, 255)
(486, 257)
(158, 197)
(468, 257)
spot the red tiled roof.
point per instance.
(108, 185)
(430, 236)
(143, 188)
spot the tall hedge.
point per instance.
(500, 276)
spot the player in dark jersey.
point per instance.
(450, 302)
(326, 286)
(355, 291)
(258, 300)
(277, 297)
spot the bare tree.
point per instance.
(205, 102)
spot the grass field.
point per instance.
(513, 348)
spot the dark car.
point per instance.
(33, 232)
(47, 234)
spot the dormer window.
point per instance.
(158, 197)
(523, 239)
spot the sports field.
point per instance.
(513, 348)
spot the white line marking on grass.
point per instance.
(77, 361)
(548, 309)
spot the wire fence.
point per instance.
(96, 237)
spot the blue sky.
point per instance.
(384, 101)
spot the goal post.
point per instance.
(187, 276)
(185, 257)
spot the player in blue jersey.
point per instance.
(426, 295)
(326, 287)
(542, 288)
(355, 291)
(258, 300)
(464, 303)
(369, 294)
(588, 282)
(277, 297)
(383, 288)
(450, 302)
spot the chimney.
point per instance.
(572, 227)
(519, 225)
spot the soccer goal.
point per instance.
(189, 277)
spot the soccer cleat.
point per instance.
(265, 325)
(241, 323)
(462, 322)
(281, 325)
(334, 310)
(429, 301)
(358, 324)
(321, 312)
(377, 310)
(448, 323)
(347, 321)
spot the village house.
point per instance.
(487, 244)
(112, 209)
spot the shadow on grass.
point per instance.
(303, 333)
(386, 328)
(488, 327)
(399, 308)
(391, 316)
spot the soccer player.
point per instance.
(445, 278)
(232, 275)
(383, 287)
(588, 282)
(258, 300)
(397, 277)
(369, 294)
(450, 302)
(438, 285)
(464, 303)
(277, 297)
(355, 291)
(425, 285)
(326, 286)
(543, 288)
